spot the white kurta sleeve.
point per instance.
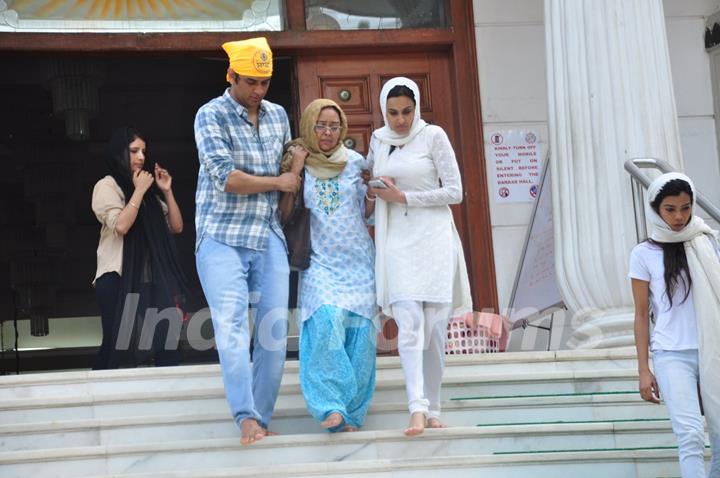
(450, 190)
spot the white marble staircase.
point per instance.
(539, 414)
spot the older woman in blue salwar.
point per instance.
(337, 315)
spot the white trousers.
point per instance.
(676, 372)
(422, 331)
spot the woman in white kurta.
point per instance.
(421, 277)
(337, 291)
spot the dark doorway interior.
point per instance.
(49, 233)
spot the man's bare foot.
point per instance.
(434, 423)
(349, 428)
(333, 420)
(417, 424)
(251, 431)
(268, 433)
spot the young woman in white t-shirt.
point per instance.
(676, 275)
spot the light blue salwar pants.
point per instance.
(337, 364)
(234, 278)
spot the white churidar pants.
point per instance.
(422, 331)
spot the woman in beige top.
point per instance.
(137, 263)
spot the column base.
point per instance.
(603, 329)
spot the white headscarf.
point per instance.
(386, 134)
(661, 232)
(704, 267)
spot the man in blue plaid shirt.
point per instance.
(240, 252)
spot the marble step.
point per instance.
(198, 453)
(64, 432)
(367, 459)
(386, 388)
(174, 422)
(212, 412)
(386, 391)
(637, 463)
(505, 367)
(386, 394)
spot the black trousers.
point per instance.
(107, 291)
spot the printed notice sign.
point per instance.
(516, 159)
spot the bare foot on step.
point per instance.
(434, 423)
(333, 420)
(251, 431)
(417, 424)
(349, 428)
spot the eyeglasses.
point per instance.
(321, 128)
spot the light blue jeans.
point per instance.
(676, 372)
(234, 278)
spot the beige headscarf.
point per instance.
(321, 164)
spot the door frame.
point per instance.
(458, 42)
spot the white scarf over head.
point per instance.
(704, 267)
(386, 134)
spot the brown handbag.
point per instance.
(297, 233)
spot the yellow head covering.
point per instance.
(322, 164)
(251, 57)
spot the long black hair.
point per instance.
(675, 261)
(117, 160)
(149, 253)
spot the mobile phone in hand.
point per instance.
(377, 184)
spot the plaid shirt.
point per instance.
(226, 141)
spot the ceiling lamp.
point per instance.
(74, 86)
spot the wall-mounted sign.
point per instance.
(516, 157)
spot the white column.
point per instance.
(8, 18)
(611, 99)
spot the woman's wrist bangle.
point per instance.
(369, 198)
(134, 205)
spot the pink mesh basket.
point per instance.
(475, 333)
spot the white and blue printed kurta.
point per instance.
(342, 259)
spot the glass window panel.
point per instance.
(375, 14)
(148, 15)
